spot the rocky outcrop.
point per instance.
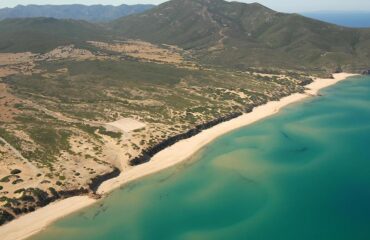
(5, 216)
(73, 192)
(366, 72)
(338, 70)
(150, 152)
(305, 81)
(34, 198)
(98, 180)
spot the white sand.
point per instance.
(32, 223)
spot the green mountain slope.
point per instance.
(228, 34)
(248, 35)
(44, 34)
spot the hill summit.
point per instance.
(241, 35)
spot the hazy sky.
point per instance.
(280, 5)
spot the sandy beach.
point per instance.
(32, 223)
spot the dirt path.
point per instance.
(220, 43)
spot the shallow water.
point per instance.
(303, 174)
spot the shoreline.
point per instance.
(32, 223)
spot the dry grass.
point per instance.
(15, 58)
(6, 71)
(7, 104)
(143, 50)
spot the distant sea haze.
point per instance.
(358, 19)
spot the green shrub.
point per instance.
(15, 171)
(17, 181)
(5, 179)
(62, 178)
(111, 134)
(20, 190)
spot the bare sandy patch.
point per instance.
(6, 71)
(125, 125)
(15, 58)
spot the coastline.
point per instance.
(32, 223)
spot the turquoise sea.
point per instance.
(303, 174)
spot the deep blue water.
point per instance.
(348, 19)
(303, 174)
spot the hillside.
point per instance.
(40, 35)
(216, 32)
(248, 35)
(94, 13)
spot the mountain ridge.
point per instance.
(92, 13)
(255, 35)
(219, 33)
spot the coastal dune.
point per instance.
(32, 223)
(184, 149)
